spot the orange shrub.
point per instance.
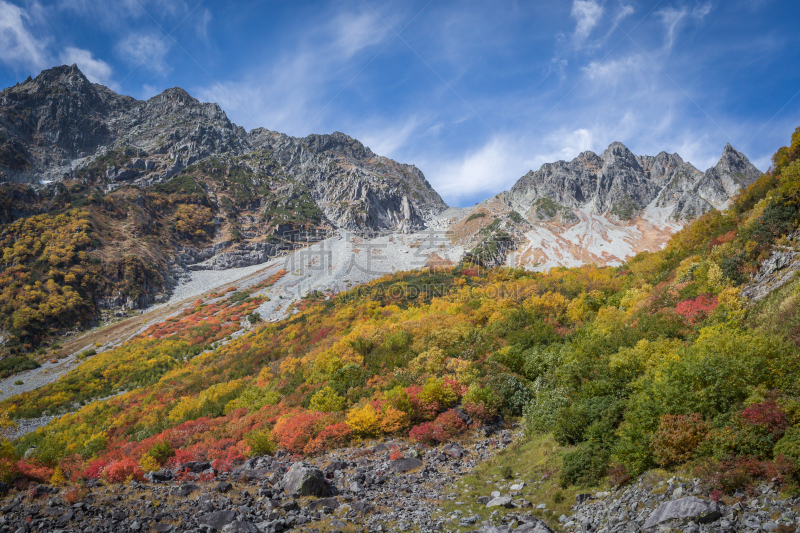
(122, 471)
(333, 436)
(293, 433)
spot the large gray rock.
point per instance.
(501, 501)
(533, 525)
(675, 512)
(406, 464)
(303, 479)
(240, 526)
(217, 519)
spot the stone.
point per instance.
(483, 500)
(305, 480)
(222, 487)
(406, 464)
(161, 476)
(362, 508)
(240, 526)
(217, 519)
(331, 503)
(683, 510)
(502, 501)
(517, 486)
(533, 525)
(580, 498)
(163, 527)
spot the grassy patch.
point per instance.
(537, 462)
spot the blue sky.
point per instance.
(473, 93)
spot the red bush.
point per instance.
(95, 469)
(334, 436)
(34, 471)
(122, 471)
(698, 308)
(618, 475)
(479, 411)
(677, 438)
(296, 432)
(767, 417)
(446, 426)
(744, 472)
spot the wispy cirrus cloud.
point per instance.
(293, 92)
(147, 50)
(20, 47)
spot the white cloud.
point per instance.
(201, 28)
(145, 50)
(291, 93)
(587, 13)
(97, 70)
(480, 173)
(387, 140)
(20, 48)
(672, 19)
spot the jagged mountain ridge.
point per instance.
(57, 123)
(621, 184)
(600, 208)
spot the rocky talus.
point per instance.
(354, 489)
(681, 505)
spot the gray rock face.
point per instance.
(621, 184)
(682, 510)
(305, 480)
(59, 122)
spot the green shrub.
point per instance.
(512, 392)
(585, 466)
(161, 452)
(260, 443)
(789, 445)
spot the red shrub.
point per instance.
(95, 468)
(122, 471)
(395, 455)
(34, 471)
(479, 411)
(446, 426)
(294, 433)
(677, 438)
(698, 308)
(744, 472)
(334, 436)
(767, 417)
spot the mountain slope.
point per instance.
(162, 186)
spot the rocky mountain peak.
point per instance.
(621, 184)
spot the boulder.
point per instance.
(217, 519)
(162, 476)
(303, 479)
(405, 464)
(502, 501)
(324, 502)
(362, 508)
(240, 526)
(675, 512)
(533, 525)
(223, 487)
(333, 466)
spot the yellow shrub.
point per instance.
(58, 478)
(149, 464)
(364, 421)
